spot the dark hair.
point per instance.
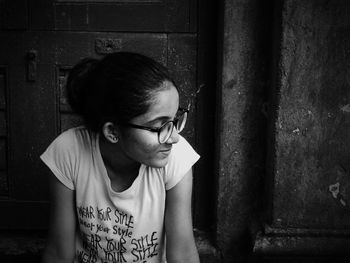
(116, 88)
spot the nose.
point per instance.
(174, 137)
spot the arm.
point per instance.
(61, 241)
(180, 244)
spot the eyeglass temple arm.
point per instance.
(143, 127)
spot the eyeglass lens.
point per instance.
(181, 122)
(167, 129)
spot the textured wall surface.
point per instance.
(307, 169)
(309, 180)
(312, 180)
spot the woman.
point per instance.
(123, 181)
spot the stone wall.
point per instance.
(284, 177)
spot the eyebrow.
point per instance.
(161, 118)
(164, 118)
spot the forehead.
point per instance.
(164, 104)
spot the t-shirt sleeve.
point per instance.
(181, 160)
(60, 158)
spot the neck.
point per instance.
(116, 160)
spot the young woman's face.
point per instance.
(142, 145)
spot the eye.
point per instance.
(159, 122)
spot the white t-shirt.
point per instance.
(114, 226)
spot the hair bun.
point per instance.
(78, 84)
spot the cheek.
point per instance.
(146, 151)
(146, 148)
(142, 144)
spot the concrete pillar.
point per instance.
(242, 84)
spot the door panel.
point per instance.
(30, 119)
(43, 39)
(37, 69)
(3, 132)
(144, 16)
(14, 14)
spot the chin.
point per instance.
(159, 163)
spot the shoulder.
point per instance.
(74, 137)
(181, 160)
(66, 137)
(182, 147)
(73, 134)
(64, 154)
(182, 153)
(69, 144)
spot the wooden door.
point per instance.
(41, 41)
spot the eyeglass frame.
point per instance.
(157, 130)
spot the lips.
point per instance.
(166, 150)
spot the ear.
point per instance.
(110, 132)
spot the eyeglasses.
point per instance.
(166, 130)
